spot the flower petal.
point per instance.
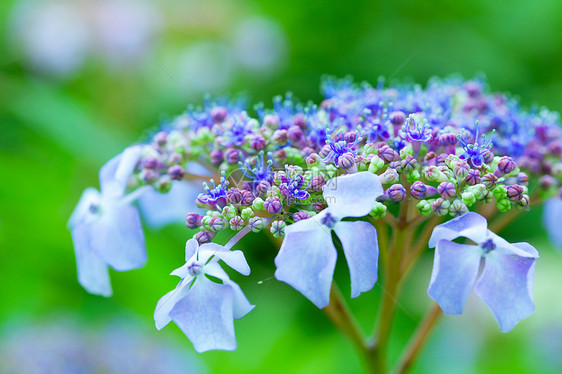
(506, 286)
(241, 305)
(470, 225)
(455, 269)
(168, 301)
(190, 248)
(92, 271)
(552, 219)
(89, 197)
(352, 195)
(361, 250)
(160, 209)
(205, 315)
(307, 259)
(234, 259)
(118, 239)
(115, 174)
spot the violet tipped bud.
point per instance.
(277, 228)
(505, 166)
(273, 205)
(204, 236)
(193, 220)
(514, 192)
(447, 190)
(176, 172)
(473, 177)
(256, 224)
(300, 216)
(396, 193)
(236, 223)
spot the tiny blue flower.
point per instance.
(475, 151)
(203, 309)
(505, 282)
(307, 257)
(106, 228)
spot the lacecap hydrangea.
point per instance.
(393, 158)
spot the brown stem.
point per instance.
(418, 339)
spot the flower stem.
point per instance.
(418, 339)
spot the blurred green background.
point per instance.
(81, 80)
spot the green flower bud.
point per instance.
(370, 149)
(503, 205)
(406, 151)
(229, 212)
(424, 207)
(258, 203)
(256, 224)
(500, 193)
(246, 214)
(468, 198)
(413, 176)
(376, 164)
(278, 229)
(378, 211)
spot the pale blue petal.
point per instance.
(82, 212)
(361, 250)
(92, 271)
(552, 219)
(190, 248)
(205, 316)
(455, 269)
(241, 305)
(168, 301)
(181, 272)
(234, 259)
(505, 247)
(352, 195)
(307, 259)
(470, 225)
(506, 287)
(115, 174)
(118, 239)
(160, 209)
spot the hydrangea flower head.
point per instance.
(307, 257)
(202, 308)
(505, 282)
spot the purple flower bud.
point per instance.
(488, 156)
(279, 155)
(440, 160)
(524, 202)
(505, 166)
(280, 137)
(217, 224)
(417, 190)
(218, 114)
(473, 177)
(489, 180)
(388, 154)
(447, 190)
(346, 161)
(216, 156)
(429, 158)
(161, 138)
(522, 179)
(262, 187)
(300, 121)
(193, 220)
(440, 206)
(547, 182)
(396, 165)
(295, 133)
(232, 156)
(272, 205)
(473, 88)
(461, 170)
(271, 120)
(247, 198)
(409, 164)
(176, 172)
(514, 192)
(447, 139)
(323, 153)
(257, 142)
(150, 162)
(317, 183)
(236, 223)
(175, 158)
(396, 193)
(204, 236)
(350, 137)
(148, 176)
(300, 216)
(233, 196)
(555, 148)
(319, 206)
(397, 118)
